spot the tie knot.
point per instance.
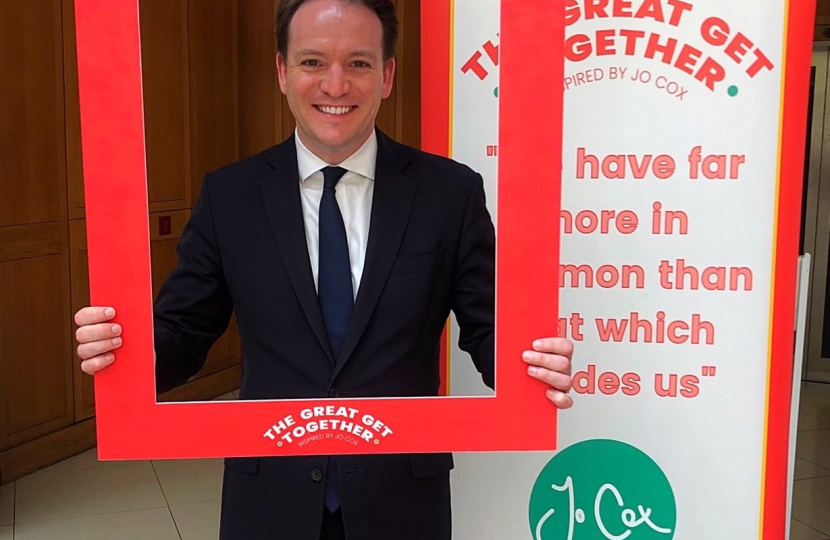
(332, 175)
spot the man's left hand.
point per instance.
(550, 362)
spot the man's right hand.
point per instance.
(97, 338)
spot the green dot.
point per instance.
(733, 91)
(496, 92)
(377, 441)
(279, 443)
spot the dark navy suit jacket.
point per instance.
(431, 249)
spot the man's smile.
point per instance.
(335, 111)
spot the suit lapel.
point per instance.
(281, 192)
(392, 201)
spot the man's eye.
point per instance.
(361, 64)
(310, 63)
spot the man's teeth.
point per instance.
(335, 110)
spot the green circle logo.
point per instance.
(602, 490)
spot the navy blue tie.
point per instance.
(334, 289)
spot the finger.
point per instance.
(91, 350)
(94, 315)
(552, 362)
(97, 363)
(559, 346)
(559, 381)
(97, 332)
(560, 399)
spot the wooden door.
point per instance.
(164, 52)
(35, 357)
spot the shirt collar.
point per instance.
(362, 162)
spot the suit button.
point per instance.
(317, 475)
(335, 393)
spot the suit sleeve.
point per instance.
(474, 298)
(193, 307)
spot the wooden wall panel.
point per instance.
(32, 141)
(408, 80)
(35, 359)
(386, 118)
(164, 51)
(284, 120)
(45, 451)
(30, 241)
(84, 388)
(35, 356)
(260, 111)
(822, 29)
(214, 125)
(72, 108)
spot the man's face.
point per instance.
(334, 76)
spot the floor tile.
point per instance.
(811, 423)
(814, 408)
(87, 492)
(815, 401)
(810, 502)
(87, 460)
(814, 446)
(799, 531)
(815, 389)
(155, 524)
(6, 533)
(198, 521)
(7, 504)
(805, 469)
(190, 481)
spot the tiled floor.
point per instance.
(811, 493)
(84, 499)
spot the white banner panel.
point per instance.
(673, 130)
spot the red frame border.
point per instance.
(796, 80)
(132, 425)
(435, 112)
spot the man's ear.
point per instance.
(281, 68)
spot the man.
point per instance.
(342, 254)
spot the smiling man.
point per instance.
(342, 253)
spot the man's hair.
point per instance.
(384, 9)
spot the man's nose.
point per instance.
(335, 83)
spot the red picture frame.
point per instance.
(131, 423)
(800, 18)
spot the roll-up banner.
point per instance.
(683, 162)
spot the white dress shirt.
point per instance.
(354, 197)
